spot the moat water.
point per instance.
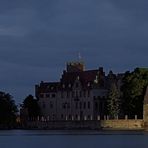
(72, 139)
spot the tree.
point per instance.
(32, 106)
(8, 110)
(134, 86)
(113, 102)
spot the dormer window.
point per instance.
(96, 80)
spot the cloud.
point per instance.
(38, 37)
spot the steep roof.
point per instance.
(85, 77)
(46, 87)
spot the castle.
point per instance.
(79, 95)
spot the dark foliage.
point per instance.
(134, 86)
(8, 110)
(31, 104)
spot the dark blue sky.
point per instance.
(38, 37)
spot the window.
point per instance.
(77, 85)
(67, 94)
(76, 94)
(53, 116)
(41, 95)
(72, 94)
(100, 106)
(84, 93)
(61, 94)
(69, 85)
(96, 105)
(88, 105)
(53, 95)
(51, 105)
(88, 93)
(76, 105)
(68, 105)
(84, 105)
(44, 106)
(69, 116)
(47, 95)
(76, 116)
(63, 105)
(80, 105)
(80, 94)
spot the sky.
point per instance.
(38, 37)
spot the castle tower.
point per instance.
(75, 66)
(145, 109)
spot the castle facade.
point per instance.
(79, 95)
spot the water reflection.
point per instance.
(73, 139)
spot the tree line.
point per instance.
(129, 99)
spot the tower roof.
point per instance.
(75, 66)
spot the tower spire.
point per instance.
(79, 56)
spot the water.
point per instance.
(72, 139)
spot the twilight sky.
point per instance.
(37, 38)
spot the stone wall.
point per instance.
(123, 124)
(63, 125)
(120, 124)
